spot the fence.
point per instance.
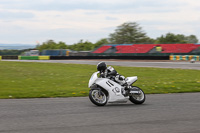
(86, 57)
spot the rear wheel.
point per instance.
(98, 97)
(137, 98)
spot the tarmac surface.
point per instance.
(161, 113)
(130, 63)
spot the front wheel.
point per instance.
(137, 98)
(98, 97)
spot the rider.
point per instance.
(110, 72)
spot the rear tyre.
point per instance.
(98, 97)
(137, 98)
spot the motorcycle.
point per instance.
(105, 90)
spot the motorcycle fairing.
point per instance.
(131, 80)
(113, 88)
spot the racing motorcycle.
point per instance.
(105, 90)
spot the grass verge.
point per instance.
(37, 80)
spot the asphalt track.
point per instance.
(130, 63)
(161, 113)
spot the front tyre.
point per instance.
(138, 98)
(98, 97)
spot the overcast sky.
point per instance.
(31, 21)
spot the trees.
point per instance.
(82, 46)
(129, 32)
(101, 42)
(170, 38)
(191, 39)
(179, 38)
(12, 52)
(50, 44)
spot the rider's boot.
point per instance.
(123, 91)
(127, 87)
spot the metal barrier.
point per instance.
(33, 57)
(44, 57)
(86, 57)
(184, 57)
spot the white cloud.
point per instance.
(27, 21)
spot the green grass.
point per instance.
(31, 80)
